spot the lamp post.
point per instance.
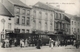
(3, 21)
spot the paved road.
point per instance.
(43, 49)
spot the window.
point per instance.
(23, 11)
(34, 24)
(78, 23)
(17, 30)
(40, 25)
(28, 20)
(51, 19)
(9, 25)
(56, 15)
(75, 23)
(17, 20)
(17, 10)
(40, 15)
(51, 26)
(28, 12)
(78, 29)
(46, 16)
(60, 16)
(27, 31)
(23, 30)
(34, 14)
(72, 29)
(46, 26)
(72, 22)
(23, 20)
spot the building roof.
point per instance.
(76, 18)
(19, 3)
(72, 17)
(43, 6)
(55, 8)
(47, 7)
(4, 11)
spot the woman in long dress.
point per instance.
(52, 44)
(26, 43)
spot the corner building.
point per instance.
(21, 14)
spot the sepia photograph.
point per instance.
(39, 25)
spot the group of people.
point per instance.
(53, 43)
(8, 42)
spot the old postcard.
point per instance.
(39, 25)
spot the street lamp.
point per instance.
(3, 21)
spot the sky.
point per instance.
(70, 6)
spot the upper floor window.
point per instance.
(46, 16)
(46, 26)
(17, 30)
(27, 31)
(28, 21)
(23, 20)
(9, 25)
(17, 20)
(17, 10)
(34, 24)
(23, 30)
(34, 14)
(56, 15)
(23, 11)
(72, 22)
(39, 24)
(60, 16)
(51, 19)
(75, 23)
(78, 23)
(78, 29)
(51, 26)
(28, 12)
(40, 15)
(72, 29)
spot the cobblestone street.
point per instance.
(43, 49)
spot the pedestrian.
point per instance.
(26, 42)
(52, 44)
(10, 42)
(3, 43)
(21, 43)
(15, 42)
(38, 44)
(6, 43)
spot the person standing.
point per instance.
(26, 43)
(38, 44)
(52, 44)
(21, 43)
(6, 42)
(10, 42)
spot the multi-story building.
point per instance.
(6, 21)
(21, 13)
(42, 18)
(75, 26)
